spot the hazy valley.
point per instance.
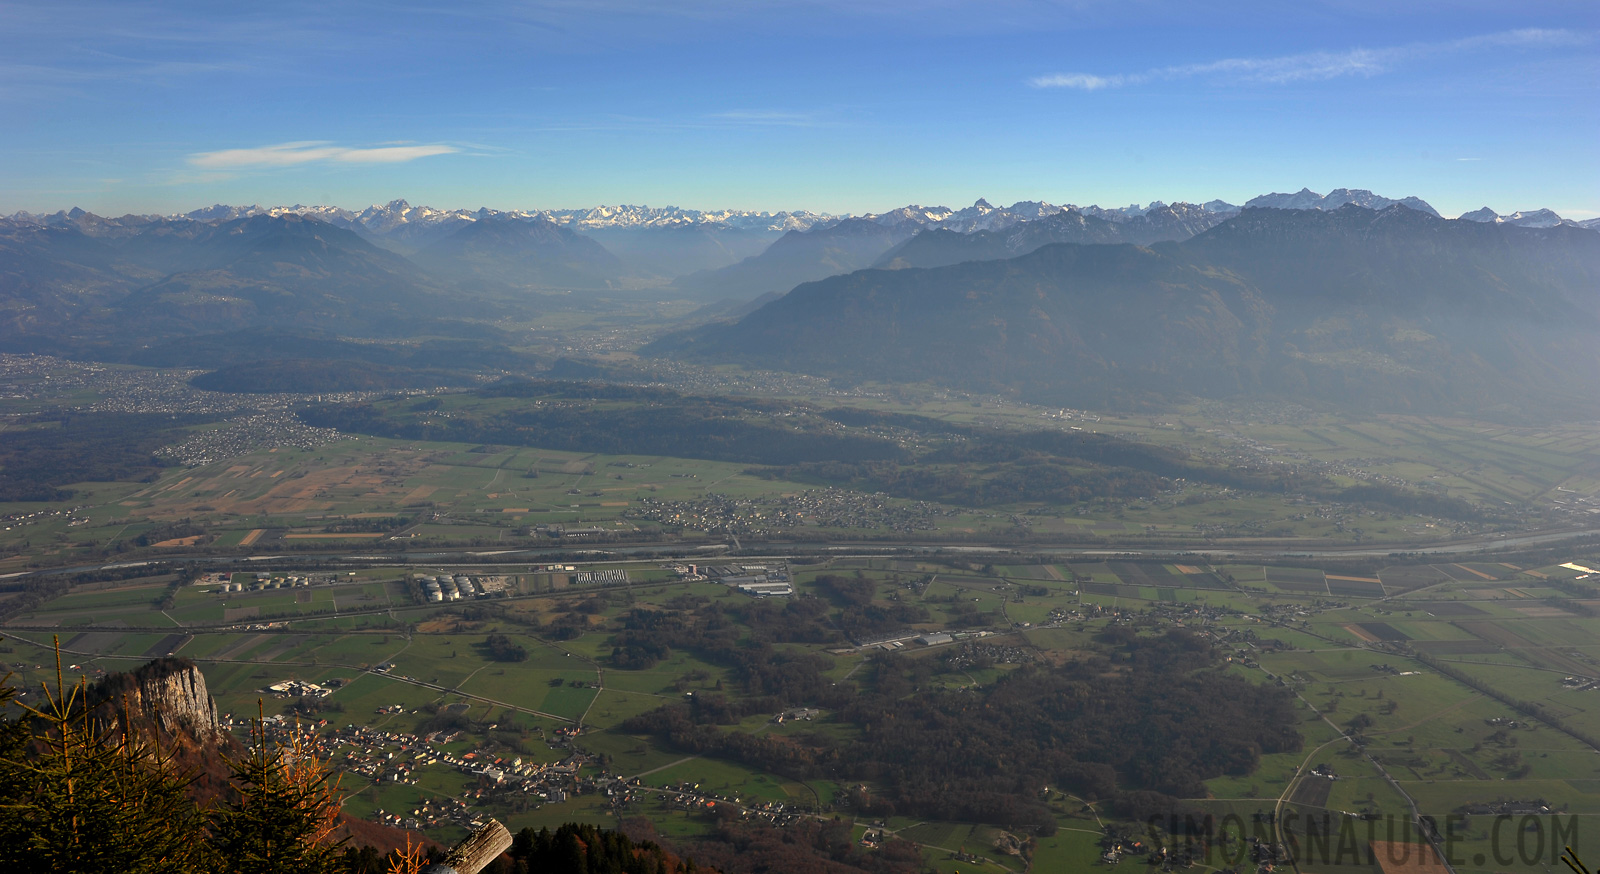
(691, 524)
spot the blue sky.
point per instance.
(121, 105)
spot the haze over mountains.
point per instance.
(1340, 297)
(60, 284)
(666, 245)
(514, 252)
(1163, 222)
(1390, 310)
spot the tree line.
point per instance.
(715, 429)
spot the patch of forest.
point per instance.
(579, 848)
(41, 455)
(1140, 720)
(586, 418)
(1141, 725)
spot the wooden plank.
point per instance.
(475, 851)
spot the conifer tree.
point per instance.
(82, 796)
(286, 810)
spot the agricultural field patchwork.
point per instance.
(1425, 684)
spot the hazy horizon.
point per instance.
(715, 208)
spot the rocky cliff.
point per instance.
(167, 694)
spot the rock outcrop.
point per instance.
(167, 694)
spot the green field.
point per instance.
(369, 491)
(1457, 690)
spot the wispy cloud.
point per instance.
(314, 152)
(1080, 81)
(1314, 66)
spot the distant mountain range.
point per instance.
(706, 253)
(381, 220)
(938, 247)
(399, 220)
(98, 286)
(936, 236)
(1393, 309)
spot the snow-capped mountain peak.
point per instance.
(1534, 218)
(1305, 198)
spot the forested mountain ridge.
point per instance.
(166, 279)
(1388, 310)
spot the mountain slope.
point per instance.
(49, 274)
(267, 271)
(536, 253)
(678, 250)
(799, 256)
(1394, 310)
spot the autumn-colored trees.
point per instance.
(85, 793)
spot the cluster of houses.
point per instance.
(1113, 847)
(9, 521)
(279, 428)
(1060, 616)
(687, 796)
(971, 654)
(432, 813)
(1534, 807)
(1266, 856)
(395, 757)
(824, 508)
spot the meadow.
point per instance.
(373, 493)
(1436, 684)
